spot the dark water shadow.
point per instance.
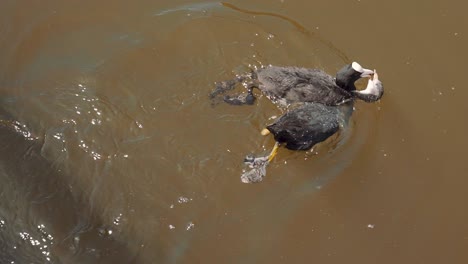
(37, 191)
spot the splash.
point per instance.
(43, 243)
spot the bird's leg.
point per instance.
(258, 166)
(273, 152)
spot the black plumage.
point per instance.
(316, 108)
(303, 127)
(287, 85)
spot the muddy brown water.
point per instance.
(112, 152)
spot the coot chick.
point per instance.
(289, 85)
(303, 127)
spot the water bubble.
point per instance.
(118, 219)
(190, 226)
(97, 111)
(95, 121)
(83, 145)
(23, 130)
(95, 155)
(24, 236)
(41, 243)
(183, 199)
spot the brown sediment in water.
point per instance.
(116, 98)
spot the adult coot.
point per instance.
(302, 127)
(288, 85)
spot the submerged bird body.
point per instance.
(287, 85)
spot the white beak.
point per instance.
(367, 73)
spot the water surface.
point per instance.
(112, 152)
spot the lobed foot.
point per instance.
(258, 169)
